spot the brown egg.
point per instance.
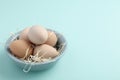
(20, 47)
(45, 51)
(24, 34)
(52, 38)
(37, 34)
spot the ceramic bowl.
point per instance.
(39, 65)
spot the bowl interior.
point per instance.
(60, 45)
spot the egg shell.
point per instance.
(19, 48)
(24, 34)
(52, 38)
(45, 51)
(37, 34)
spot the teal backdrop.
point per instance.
(91, 28)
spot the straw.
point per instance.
(32, 59)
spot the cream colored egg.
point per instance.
(37, 34)
(52, 38)
(21, 48)
(45, 51)
(24, 34)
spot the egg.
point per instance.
(24, 34)
(52, 38)
(21, 48)
(45, 51)
(37, 34)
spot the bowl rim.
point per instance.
(12, 37)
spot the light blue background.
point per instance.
(91, 27)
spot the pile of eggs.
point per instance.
(35, 43)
